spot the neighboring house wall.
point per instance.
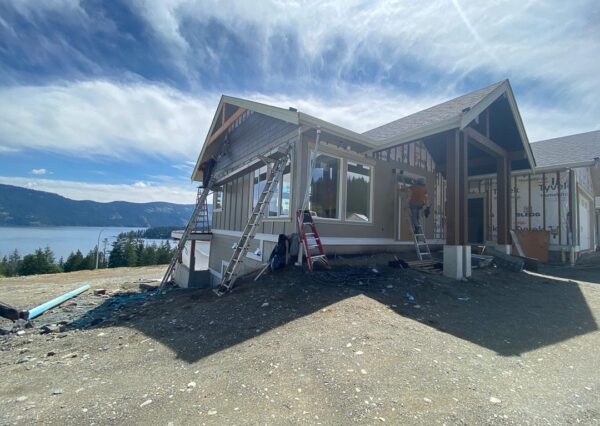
(542, 201)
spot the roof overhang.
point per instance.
(287, 115)
(463, 120)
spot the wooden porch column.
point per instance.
(457, 252)
(457, 191)
(503, 205)
(193, 256)
(464, 188)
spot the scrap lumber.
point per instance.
(506, 261)
(429, 266)
(517, 243)
(9, 312)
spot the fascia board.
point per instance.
(314, 122)
(470, 115)
(422, 132)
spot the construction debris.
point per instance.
(479, 261)
(9, 312)
(506, 261)
(39, 310)
(429, 266)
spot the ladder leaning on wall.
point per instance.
(241, 248)
(199, 213)
(421, 244)
(311, 241)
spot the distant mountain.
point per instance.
(27, 207)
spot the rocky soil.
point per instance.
(352, 346)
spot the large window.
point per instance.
(280, 201)
(324, 188)
(358, 192)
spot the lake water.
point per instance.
(61, 239)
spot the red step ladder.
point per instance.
(313, 249)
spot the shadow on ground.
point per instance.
(586, 272)
(509, 313)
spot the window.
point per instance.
(324, 193)
(218, 199)
(258, 184)
(358, 192)
(280, 201)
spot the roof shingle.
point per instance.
(444, 111)
(567, 150)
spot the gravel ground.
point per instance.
(395, 346)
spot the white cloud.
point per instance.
(550, 47)
(39, 171)
(6, 149)
(117, 120)
(176, 193)
(99, 117)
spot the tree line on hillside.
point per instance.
(127, 250)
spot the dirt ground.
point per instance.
(396, 346)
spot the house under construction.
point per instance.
(264, 164)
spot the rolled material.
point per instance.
(39, 310)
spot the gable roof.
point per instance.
(578, 150)
(290, 115)
(456, 113)
(438, 114)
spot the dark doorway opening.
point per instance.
(476, 221)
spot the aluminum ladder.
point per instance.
(200, 210)
(202, 221)
(241, 248)
(420, 241)
(310, 240)
(305, 219)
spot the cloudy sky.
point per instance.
(111, 100)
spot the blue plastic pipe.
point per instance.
(39, 310)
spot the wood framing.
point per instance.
(485, 143)
(226, 125)
(503, 196)
(453, 191)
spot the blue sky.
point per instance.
(110, 100)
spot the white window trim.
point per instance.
(371, 194)
(219, 210)
(340, 189)
(344, 157)
(279, 217)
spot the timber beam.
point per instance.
(485, 143)
(226, 124)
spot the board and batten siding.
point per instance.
(255, 132)
(380, 233)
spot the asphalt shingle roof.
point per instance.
(444, 111)
(567, 150)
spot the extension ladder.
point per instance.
(420, 241)
(241, 248)
(200, 209)
(306, 222)
(202, 221)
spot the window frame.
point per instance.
(220, 189)
(279, 216)
(371, 194)
(340, 185)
